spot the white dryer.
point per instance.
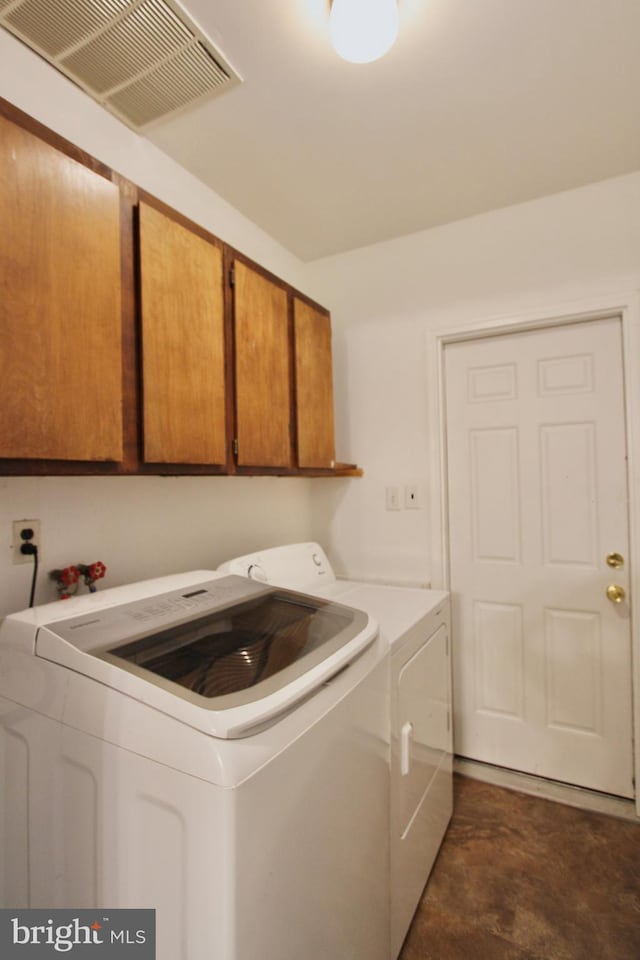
(414, 623)
(207, 746)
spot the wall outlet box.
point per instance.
(20, 534)
(412, 497)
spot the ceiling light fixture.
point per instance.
(363, 30)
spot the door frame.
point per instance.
(626, 306)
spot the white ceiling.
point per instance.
(480, 104)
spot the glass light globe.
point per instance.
(363, 30)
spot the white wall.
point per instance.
(543, 255)
(143, 527)
(383, 299)
(140, 527)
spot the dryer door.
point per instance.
(423, 722)
(421, 787)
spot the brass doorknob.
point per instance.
(615, 560)
(615, 593)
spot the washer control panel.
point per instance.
(299, 566)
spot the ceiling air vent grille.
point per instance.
(142, 59)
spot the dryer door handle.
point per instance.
(406, 739)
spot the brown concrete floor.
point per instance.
(521, 878)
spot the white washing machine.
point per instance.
(207, 746)
(414, 623)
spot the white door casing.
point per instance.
(536, 473)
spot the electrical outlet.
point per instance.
(392, 498)
(412, 497)
(20, 528)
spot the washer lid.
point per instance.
(226, 657)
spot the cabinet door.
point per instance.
(263, 393)
(314, 386)
(60, 305)
(183, 344)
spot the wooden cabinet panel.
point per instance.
(314, 386)
(263, 373)
(183, 343)
(60, 305)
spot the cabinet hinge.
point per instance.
(232, 276)
(235, 446)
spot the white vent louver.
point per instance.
(141, 59)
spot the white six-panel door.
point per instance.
(536, 464)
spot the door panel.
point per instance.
(263, 397)
(183, 345)
(314, 386)
(537, 498)
(569, 517)
(60, 308)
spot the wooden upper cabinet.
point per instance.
(183, 343)
(262, 369)
(314, 386)
(60, 305)
(123, 348)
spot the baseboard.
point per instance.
(547, 789)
